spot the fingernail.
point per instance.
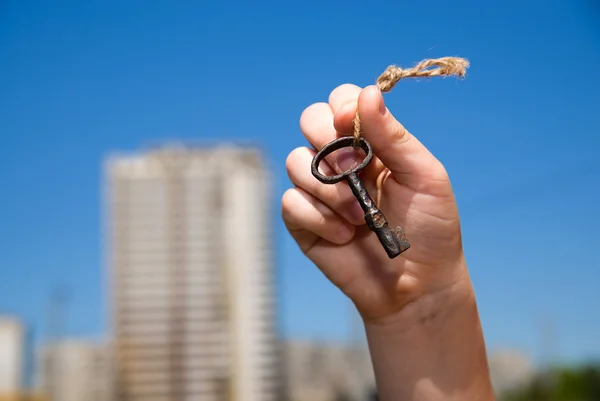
(345, 232)
(382, 108)
(346, 159)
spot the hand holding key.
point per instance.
(418, 306)
(328, 221)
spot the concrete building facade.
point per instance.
(189, 254)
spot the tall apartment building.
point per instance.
(190, 270)
(75, 370)
(11, 356)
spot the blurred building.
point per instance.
(75, 370)
(12, 337)
(329, 372)
(189, 250)
(509, 370)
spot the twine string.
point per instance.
(445, 66)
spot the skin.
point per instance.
(419, 309)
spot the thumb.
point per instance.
(408, 159)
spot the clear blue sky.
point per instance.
(519, 136)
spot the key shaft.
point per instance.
(393, 241)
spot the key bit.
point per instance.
(394, 241)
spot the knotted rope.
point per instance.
(445, 66)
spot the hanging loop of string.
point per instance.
(445, 66)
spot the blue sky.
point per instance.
(519, 136)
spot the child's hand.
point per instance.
(416, 194)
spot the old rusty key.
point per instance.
(393, 240)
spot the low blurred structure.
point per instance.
(12, 339)
(190, 261)
(76, 370)
(23, 396)
(328, 372)
(510, 369)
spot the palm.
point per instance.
(361, 268)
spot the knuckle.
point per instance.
(399, 132)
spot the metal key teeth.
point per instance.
(392, 244)
(401, 238)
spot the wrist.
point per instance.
(431, 306)
(433, 349)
